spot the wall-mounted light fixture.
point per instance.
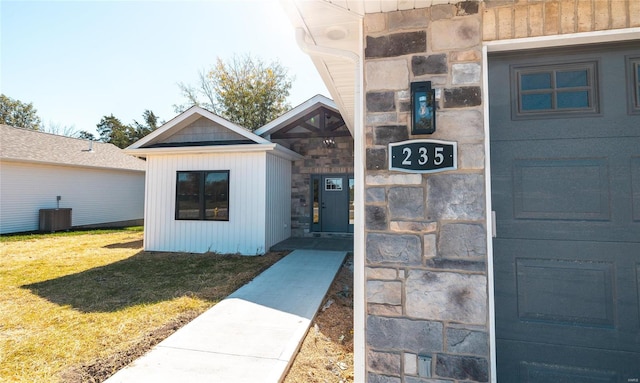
(423, 108)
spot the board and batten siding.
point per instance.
(278, 200)
(244, 233)
(96, 196)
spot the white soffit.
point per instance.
(376, 6)
(336, 24)
(331, 26)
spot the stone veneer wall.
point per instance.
(426, 278)
(426, 250)
(317, 160)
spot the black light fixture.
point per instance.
(423, 108)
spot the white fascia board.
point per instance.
(242, 148)
(296, 113)
(285, 153)
(178, 122)
(563, 40)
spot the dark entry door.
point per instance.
(334, 203)
(565, 169)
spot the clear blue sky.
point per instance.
(77, 61)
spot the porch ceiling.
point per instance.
(321, 122)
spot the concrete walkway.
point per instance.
(251, 336)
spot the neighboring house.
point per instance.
(102, 185)
(543, 101)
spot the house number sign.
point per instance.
(423, 156)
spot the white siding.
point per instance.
(244, 233)
(94, 195)
(278, 193)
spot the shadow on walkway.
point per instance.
(338, 243)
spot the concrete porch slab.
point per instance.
(330, 243)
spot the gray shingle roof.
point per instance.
(18, 144)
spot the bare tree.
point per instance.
(61, 130)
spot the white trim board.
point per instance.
(617, 35)
(359, 246)
(489, 218)
(277, 150)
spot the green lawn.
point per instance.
(68, 300)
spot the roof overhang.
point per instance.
(331, 35)
(297, 112)
(331, 30)
(275, 149)
(187, 117)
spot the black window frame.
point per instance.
(202, 201)
(592, 89)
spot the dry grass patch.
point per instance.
(76, 307)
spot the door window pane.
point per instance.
(573, 100)
(535, 81)
(351, 198)
(572, 79)
(333, 184)
(316, 200)
(536, 101)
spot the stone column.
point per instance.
(426, 278)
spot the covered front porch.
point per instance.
(322, 182)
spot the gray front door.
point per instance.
(565, 169)
(332, 207)
(334, 214)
